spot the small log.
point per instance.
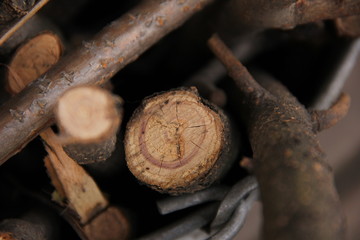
(88, 118)
(178, 143)
(31, 60)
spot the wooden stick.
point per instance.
(176, 142)
(71, 181)
(289, 13)
(296, 183)
(88, 118)
(94, 63)
(75, 189)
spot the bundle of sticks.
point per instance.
(211, 107)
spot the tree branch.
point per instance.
(296, 183)
(118, 44)
(290, 13)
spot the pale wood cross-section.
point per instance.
(32, 59)
(88, 118)
(176, 142)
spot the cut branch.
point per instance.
(88, 118)
(296, 183)
(94, 63)
(76, 191)
(177, 143)
(32, 59)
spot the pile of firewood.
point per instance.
(217, 105)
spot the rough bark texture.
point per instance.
(91, 152)
(8, 29)
(94, 63)
(31, 60)
(176, 142)
(11, 9)
(88, 118)
(289, 13)
(296, 183)
(17, 229)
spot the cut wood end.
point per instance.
(108, 225)
(173, 140)
(31, 60)
(87, 114)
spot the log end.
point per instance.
(175, 141)
(32, 59)
(87, 114)
(88, 118)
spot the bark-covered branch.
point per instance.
(289, 13)
(296, 183)
(118, 44)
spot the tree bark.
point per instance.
(177, 143)
(18, 229)
(10, 9)
(88, 118)
(289, 13)
(8, 29)
(296, 183)
(94, 63)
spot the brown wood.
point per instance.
(296, 182)
(31, 60)
(11, 9)
(108, 225)
(288, 13)
(176, 142)
(348, 26)
(88, 118)
(74, 187)
(9, 29)
(95, 62)
(18, 229)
